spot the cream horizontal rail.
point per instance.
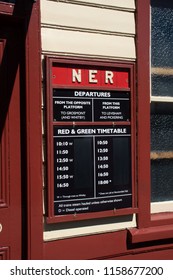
(106, 4)
(83, 43)
(87, 30)
(84, 228)
(87, 19)
(161, 99)
(161, 155)
(164, 71)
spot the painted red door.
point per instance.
(10, 178)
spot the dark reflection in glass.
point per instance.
(162, 33)
(161, 126)
(162, 151)
(162, 47)
(162, 180)
(162, 85)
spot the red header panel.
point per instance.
(90, 77)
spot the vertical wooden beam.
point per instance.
(34, 135)
(143, 110)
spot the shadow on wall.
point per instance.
(10, 51)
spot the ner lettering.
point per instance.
(92, 76)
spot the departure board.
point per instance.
(91, 168)
(91, 146)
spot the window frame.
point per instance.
(145, 217)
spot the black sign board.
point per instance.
(90, 106)
(90, 136)
(92, 168)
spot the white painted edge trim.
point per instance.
(161, 207)
(88, 230)
(87, 30)
(161, 99)
(96, 5)
(83, 55)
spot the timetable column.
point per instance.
(103, 148)
(64, 166)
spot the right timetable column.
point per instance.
(113, 165)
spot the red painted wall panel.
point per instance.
(107, 246)
(88, 247)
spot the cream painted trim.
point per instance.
(87, 30)
(78, 17)
(126, 5)
(55, 54)
(162, 71)
(161, 99)
(63, 41)
(161, 207)
(154, 155)
(120, 223)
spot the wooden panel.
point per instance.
(143, 105)
(162, 254)
(151, 233)
(10, 189)
(88, 247)
(54, 40)
(128, 4)
(33, 132)
(4, 186)
(4, 253)
(2, 44)
(106, 246)
(92, 18)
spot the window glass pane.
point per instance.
(161, 126)
(162, 47)
(162, 85)
(161, 151)
(162, 180)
